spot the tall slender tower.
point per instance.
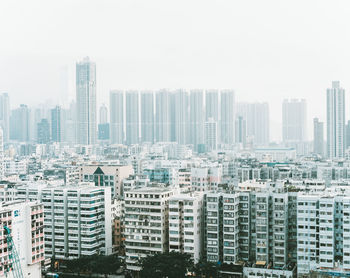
(56, 128)
(181, 111)
(5, 116)
(318, 137)
(116, 116)
(228, 117)
(132, 117)
(163, 116)
(103, 114)
(86, 102)
(147, 116)
(335, 121)
(197, 117)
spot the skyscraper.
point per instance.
(132, 117)
(147, 116)
(103, 114)
(56, 128)
(318, 137)
(335, 120)
(294, 120)
(258, 121)
(116, 110)
(181, 118)
(228, 114)
(241, 130)
(196, 119)
(19, 124)
(162, 127)
(347, 135)
(43, 132)
(211, 134)
(212, 105)
(5, 116)
(69, 123)
(86, 102)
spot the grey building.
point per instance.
(163, 113)
(132, 117)
(116, 116)
(318, 137)
(56, 126)
(294, 120)
(147, 116)
(228, 114)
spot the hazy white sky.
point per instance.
(265, 50)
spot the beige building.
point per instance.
(106, 176)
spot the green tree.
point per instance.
(206, 269)
(105, 264)
(170, 265)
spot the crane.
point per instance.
(13, 256)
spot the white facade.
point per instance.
(25, 221)
(86, 102)
(146, 223)
(77, 219)
(185, 224)
(335, 121)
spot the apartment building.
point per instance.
(26, 223)
(324, 232)
(185, 224)
(222, 227)
(77, 219)
(146, 223)
(251, 225)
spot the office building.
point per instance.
(132, 117)
(335, 121)
(116, 110)
(294, 120)
(318, 137)
(147, 116)
(86, 102)
(56, 126)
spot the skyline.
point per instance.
(228, 45)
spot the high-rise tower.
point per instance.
(294, 120)
(86, 102)
(116, 116)
(335, 120)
